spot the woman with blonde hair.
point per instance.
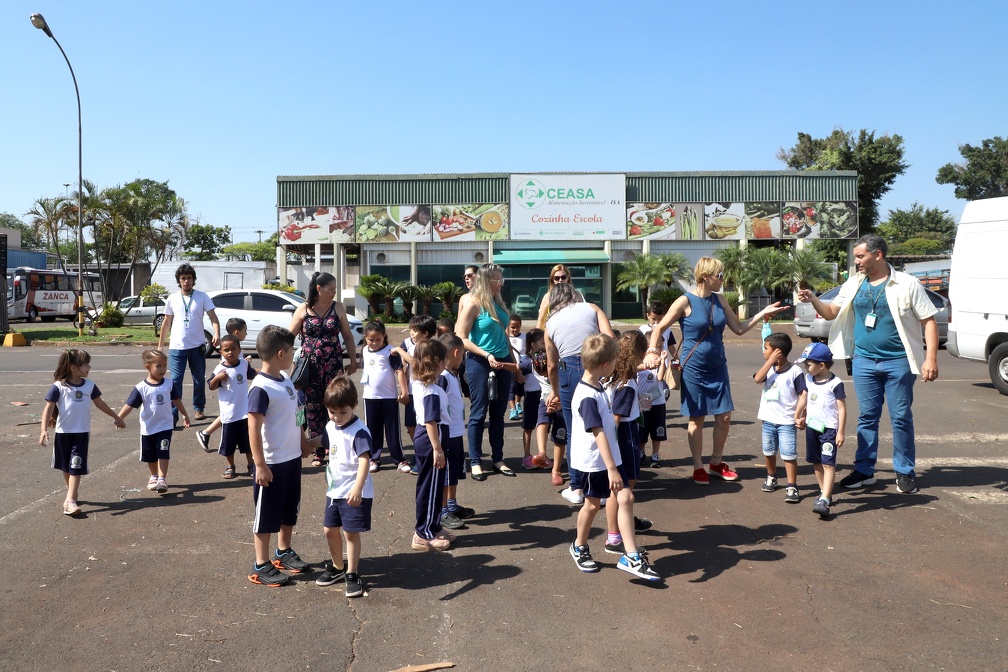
(705, 388)
(482, 325)
(558, 274)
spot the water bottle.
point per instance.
(492, 383)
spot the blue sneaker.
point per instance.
(638, 566)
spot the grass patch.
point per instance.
(50, 333)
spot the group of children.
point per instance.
(617, 406)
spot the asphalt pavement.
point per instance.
(158, 582)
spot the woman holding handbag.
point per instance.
(320, 321)
(705, 388)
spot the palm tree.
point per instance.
(387, 290)
(47, 215)
(765, 267)
(367, 291)
(425, 295)
(677, 267)
(408, 293)
(641, 273)
(733, 258)
(806, 269)
(449, 293)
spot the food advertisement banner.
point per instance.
(820, 219)
(664, 221)
(332, 224)
(568, 207)
(462, 222)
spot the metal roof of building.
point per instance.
(677, 187)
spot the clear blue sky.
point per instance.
(221, 97)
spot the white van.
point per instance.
(978, 288)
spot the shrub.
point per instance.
(733, 300)
(276, 286)
(110, 316)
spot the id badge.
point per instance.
(364, 378)
(818, 424)
(773, 394)
(869, 320)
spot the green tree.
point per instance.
(366, 290)
(918, 222)
(48, 216)
(426, 296)
(264, 251)
(765, 267)
(449, 293)
(733, 258)
(408, 293)
(677, 267)
(640, 273)
(878, 162)
(30, 239)
(984, 173)
(918, 246)
(204, 242)
(806, 269)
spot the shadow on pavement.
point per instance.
(177, 495)
(714, 549)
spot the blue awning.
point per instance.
(504, 257)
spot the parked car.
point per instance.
(810, 324)
(260, 307)
(136, 310)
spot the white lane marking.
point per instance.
(37, 504)
(981, 496)
(960, 437)
(929, 462)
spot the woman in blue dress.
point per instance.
(705, 388)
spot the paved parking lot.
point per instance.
(144, 581)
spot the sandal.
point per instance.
(317, 462)
(229, 472)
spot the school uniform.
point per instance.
(431, 406)
(533, 395)
(73, 424)
(409, 413)
(346, 445)
(822, 418)
(156, 422)
(232, 397)
(625, 404)
(591, 409)
(381, 403)
(276, 400)
(453, 444)
(556, 426)
(517, 389)
(654, 416)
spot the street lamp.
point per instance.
(39, 22)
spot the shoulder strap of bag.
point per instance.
(710, 328)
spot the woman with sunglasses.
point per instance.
(482, 326)
(558, 274)
(705, 388)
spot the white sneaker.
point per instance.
(572, 496)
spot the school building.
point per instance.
(425, 229)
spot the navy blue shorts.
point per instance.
(154, 447)
(70, 452)
(555, 421)
(531, 417)
(234, 436)
(629, 448)
(820, 447)
(596, 483)
(351, 518)
(516, 391)
(409, 415)
(653, 423)
(455, 459)
(278, 503)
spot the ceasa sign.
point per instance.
(568, 207)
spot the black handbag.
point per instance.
(303, 370)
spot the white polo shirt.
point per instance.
(232, 393)
(276, 400)
(187, 319)
(73, 403)
(346, 445)
(591, 409)
(155, 404)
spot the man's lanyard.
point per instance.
(186, 306)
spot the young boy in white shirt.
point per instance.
(594, 452)
(782, 384)
(822, 411)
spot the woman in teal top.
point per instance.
(482, 322)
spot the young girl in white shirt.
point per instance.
(381, 371)
(68, 409)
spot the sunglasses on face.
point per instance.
(559, 278)
(720, 276)
(469, 275)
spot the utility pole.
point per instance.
(260, 232)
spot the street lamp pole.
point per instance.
(39, 22)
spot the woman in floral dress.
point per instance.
(320, 321)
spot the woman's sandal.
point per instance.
(229, 472)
